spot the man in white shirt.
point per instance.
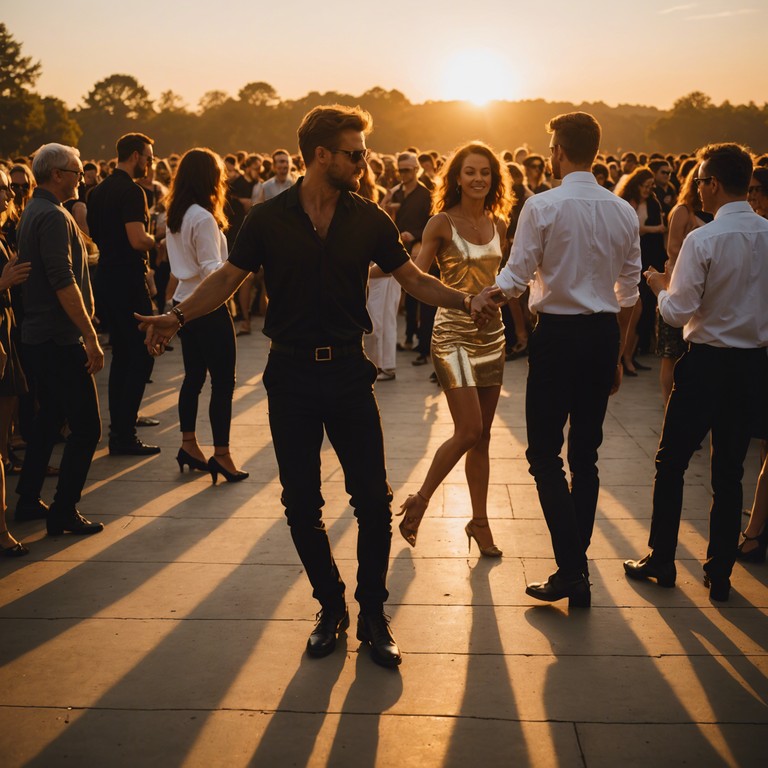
(578, 247)
(282, 180)
(718, 294)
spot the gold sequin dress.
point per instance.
(463, 355)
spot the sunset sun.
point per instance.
(478, 76)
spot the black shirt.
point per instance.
(317, 288)
(414, 211)
(117, 201)
(233, 208)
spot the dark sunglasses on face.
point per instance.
(698, 182)
(355, 155)
(20, 187)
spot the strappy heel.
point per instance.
(409, 527)
(491, 551)
(756, 555)
(182, 457)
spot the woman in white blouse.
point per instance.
(196, 248)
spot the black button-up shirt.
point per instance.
(317, 288)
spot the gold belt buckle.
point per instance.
(323, 354)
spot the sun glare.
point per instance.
(477, 76)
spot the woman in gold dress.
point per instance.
(465, 237)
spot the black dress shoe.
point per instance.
(30, 509)
(74, 522)
(556, 587)
(147, 421)
(17, 550)
(719, 588)
(132, 448)
(640, 366)
(649, 568)
(322, 641)
(373, 628)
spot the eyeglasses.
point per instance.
(705, 180)
(355, 155)
(20, 187)
(80, 174)
(757, 189)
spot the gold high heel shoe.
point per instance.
(409, 527)
(492, 551)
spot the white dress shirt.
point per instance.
(196, 250)
(719, 287)
(578, 246)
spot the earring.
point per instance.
(458, 188)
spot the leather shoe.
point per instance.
(147, 421)
(648, 568)
(556, 587)
(373, 628)
(30, 509)
(719, 588)
(322, 641)
(71, 523)
(132, 448)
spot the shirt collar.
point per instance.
(740, 206)
(45, 194)
(292, 196)
(579, 177)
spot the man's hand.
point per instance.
(407, 238)
(485, 305)
(160, 329)
(657, 281)
(14, 272)
(94, 354)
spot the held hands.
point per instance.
(657, 281)
(485, 306)
(160, 329)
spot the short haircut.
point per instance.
(322, 127)
(129, 143)
(410, 159)
(89, 166)
(730, 164)
(761, 175)
(600, 169)
(631, 156)
(50, 157)
(425, 157)
(578, 133)
(231, 159)
(534, 160)
(281, 152)
(655, 165)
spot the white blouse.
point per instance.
(196, 250)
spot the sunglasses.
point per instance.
(20, 187)
(405, 170)
(355, 155)
(705, 180)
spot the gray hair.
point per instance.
(49, 157)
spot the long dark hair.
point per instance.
(500, 197)
(200, 179)
(629, 188)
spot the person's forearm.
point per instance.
(212, 292)
(429, 290)
(71, 301)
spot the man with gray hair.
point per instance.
(60, 344)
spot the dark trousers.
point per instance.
(426, 325)
(572, 361)
(306, 399)
(66, 392)
(719, 390)
(208, 344)
(411, 317)
(122, 294)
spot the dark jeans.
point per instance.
(411, 317)
(306, 399)
(572, 361)
(719, 390)
(66, 392)
(208, 344)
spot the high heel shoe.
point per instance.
(409, 527)
(182, 457)
(756, 555)
(492, 551)
(216, 469)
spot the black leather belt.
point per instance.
(318, 354)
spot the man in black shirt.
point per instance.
(315, 243)
(118, 219)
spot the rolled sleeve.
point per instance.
(626, 288)
(55, 251)
(390, 252)
(206, 239)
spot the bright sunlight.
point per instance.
(478, 76)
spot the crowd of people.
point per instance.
(583, 262)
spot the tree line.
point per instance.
(257, 119)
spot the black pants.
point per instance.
(305, 399)
(121, 294)
(572, 361)
(719, 390)
(208, 344)
(411, 318)
(426, 325)
(66, 392)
